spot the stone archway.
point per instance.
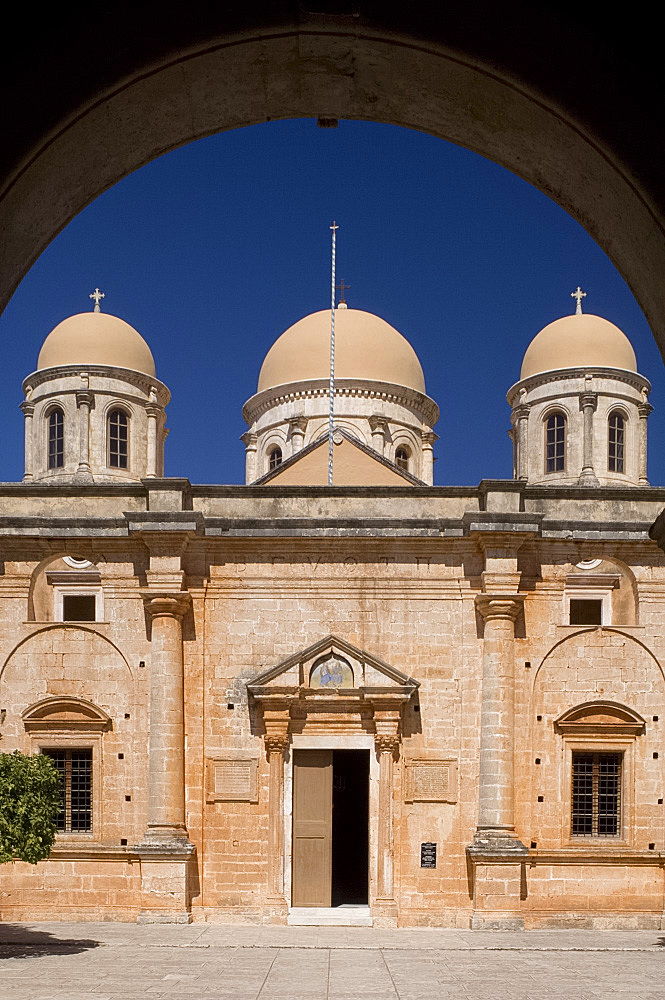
(529, 91)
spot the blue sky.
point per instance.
(213, 250)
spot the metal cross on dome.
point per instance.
(342, 287)
(97, 296)
(578, 294)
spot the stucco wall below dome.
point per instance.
(578, 341)
(366, 347)
(92, 338)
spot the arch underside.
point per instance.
(555, 107)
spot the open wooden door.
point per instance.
(312, 827)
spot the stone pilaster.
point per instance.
(379, 428)
(84, 402)
(427, 474)
(497, 893)
(152, 413)
(643, 409)
(165, 851)
(276, 906)
(250, 442)
(28, 412)
(521, 416)
(297, 428)
(588, 404)
(387, 745)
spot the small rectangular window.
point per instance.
(75, 770)
(596, 798)
(79, 607)
(585, 611)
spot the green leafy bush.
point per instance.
(29, 801)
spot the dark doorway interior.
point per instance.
(350, 827)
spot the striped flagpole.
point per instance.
(331, 413)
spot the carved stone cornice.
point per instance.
(499, 606)
(173, 605)
(139, 380)
(633, 379)
(364, 388)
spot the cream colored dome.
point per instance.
(366, 347)
(578, 341)
(96, 338)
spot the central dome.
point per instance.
(578, 341)
(366, 347)
(96, 338)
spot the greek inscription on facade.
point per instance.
(431, 781)
(232, 779)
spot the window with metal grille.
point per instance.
(555, 443)
(56, 439)
(616, 442)
(75, 770)
(596, 808)
(402, 459)
(118, 439)
(275, 458)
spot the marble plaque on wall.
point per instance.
(232, 778)
(430, 780)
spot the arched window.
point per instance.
(555, 443)
(616, 452)
(275, 458)
(118, 424)
(402, 458)
(56, 439)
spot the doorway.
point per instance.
(330, 828)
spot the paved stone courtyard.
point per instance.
(66, 961)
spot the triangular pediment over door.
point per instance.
(332, 686)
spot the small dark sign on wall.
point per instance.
(428, 855)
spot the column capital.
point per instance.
(521, 411)
(385, 743)
(84, 398)
(429, 437)
(588, 399)
(173, 605)
(377, 422)
(276, 744)
(494, 607)
(643, 410)
(153, 410)
(249, 439)
(28, 407)
(298, 423)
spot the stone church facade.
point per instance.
(382, 702)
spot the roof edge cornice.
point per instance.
(293, 391)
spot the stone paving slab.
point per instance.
(85, 961)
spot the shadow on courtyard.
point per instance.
(19, 941)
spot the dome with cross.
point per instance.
(96, 338)
(366, 348)
(578, 341)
